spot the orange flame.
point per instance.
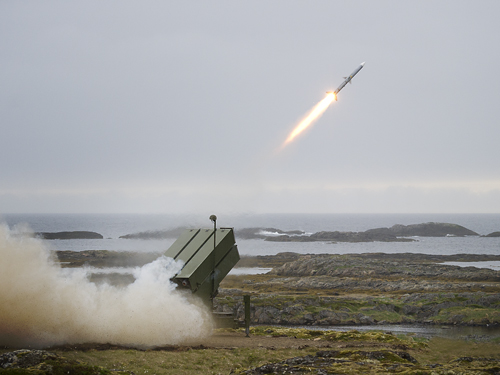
(315, 114)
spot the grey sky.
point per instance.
(154, 106)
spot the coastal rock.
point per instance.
(353, 289)
(424, 308)
(42, 362)
(75, 235)
(365, 319)
(336, 236)
(396, 233)
(494, 234)
(155, 234)
(104, 258)
(24, 358)
(373, 266)
(431, 230)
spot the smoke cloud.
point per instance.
(42, 304)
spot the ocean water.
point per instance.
(112, 226)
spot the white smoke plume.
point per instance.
(42, 305)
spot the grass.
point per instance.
(347, 336)
(223, 361)
(208, 361)
(353, 346)
(441, 350)
(471, 312)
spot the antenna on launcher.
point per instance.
(214, 219)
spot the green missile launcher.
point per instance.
(208, 256)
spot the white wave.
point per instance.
(249, 271)
(491, 264)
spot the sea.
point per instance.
(112, 226)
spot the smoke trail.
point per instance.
(312, 116)
(42, 305)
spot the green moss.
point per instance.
(20, 371)
(474, 306)
(60, 366)
(468, 313)
(389, 316)
(302, 333)
(76, 369)
(379, 355)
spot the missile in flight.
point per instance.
(346, 81)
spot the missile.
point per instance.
(346, 80)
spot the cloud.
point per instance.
(170, 100)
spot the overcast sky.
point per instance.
(163, 106)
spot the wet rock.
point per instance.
(309, 318)
(326, 314)
(364, 319)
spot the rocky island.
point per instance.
(73, 235)
(396, 233)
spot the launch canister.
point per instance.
(346, 81)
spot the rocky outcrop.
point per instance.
(75, 235)
(104, 258)
(378, 267)
(494, 234)
(42, 362)
(430, 230)
(381, 361)
(430, 308)
(380, 285)
(372, 288)
(396, 233)
(25, 358)
(155, 234)
(244, 233)
(368, 236)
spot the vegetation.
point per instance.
(336, 352)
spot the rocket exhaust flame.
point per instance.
(320, 108)
(312, 116)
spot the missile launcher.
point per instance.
(208, 256)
